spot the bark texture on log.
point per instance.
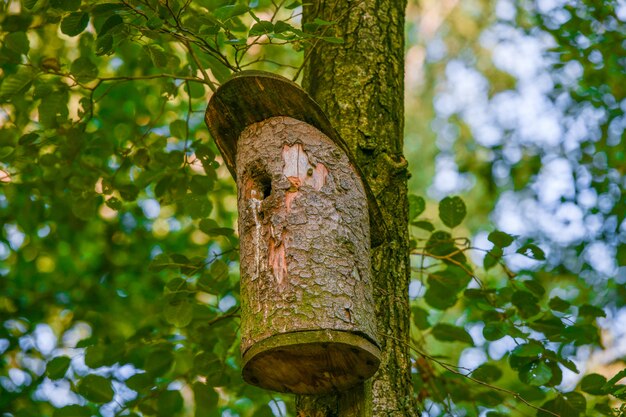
(307, 319)
(360, 86)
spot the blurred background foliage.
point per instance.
(118, 254)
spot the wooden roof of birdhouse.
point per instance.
(253, 96)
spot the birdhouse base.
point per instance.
(310, 362)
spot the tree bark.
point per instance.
(360, 86)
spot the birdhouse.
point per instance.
(306, 222)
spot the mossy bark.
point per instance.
(360, 86)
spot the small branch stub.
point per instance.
(307, 322)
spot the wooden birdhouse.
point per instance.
(306, 218)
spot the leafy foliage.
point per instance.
(117, 245)
(118, 252)
(543, 332)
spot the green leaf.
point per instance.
(53, 111)
(195, 89)
(154, 23)
(536, 373)
(111, 23)
(417, 205)
(179, 312)
(206, 362)
(95, 356)
(526, 303)
(491, 258)
(200, 185)
(293, 5)
(587, 310)
(263, 411)
(17, 42)
(15, 83)
(593, 384)
(57, 367)
(450, 333)
(535, 287)
(452, 211)
(440, 298)
(568, 364)
(178, 185)
(550, 325)
(560, 406)
(74, 23)
(169, 403)
(261, 28)
(157, 55)
(141, 157)
(424, 225)
(177, 284)
(210, 227)
(576, 400)
(6, 151)
(532, 251)
(159, 263)
(487, 373)
(452, 279)
(494, 331)
(570, 404)
(178, 128)
(28, 139)
(489, 398)
(106, 9)
(500, 239)
(558, 304)
(104, 45)
(197, 206)
(29, 4)
(581, 334)
(140, 382)
(604, 409)
(557, 374)
(420, 318)
(282, 27)
(159, 361)
(218, 69)
(219, 270)
(84, 207)
(83, 69)
(225, 13)
(440, 243)
(96, 388)
(72, 411)
(528, 350)
(68, 5)
(205, 399)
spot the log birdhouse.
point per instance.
(305, 214)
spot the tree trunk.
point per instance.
(360, 86)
